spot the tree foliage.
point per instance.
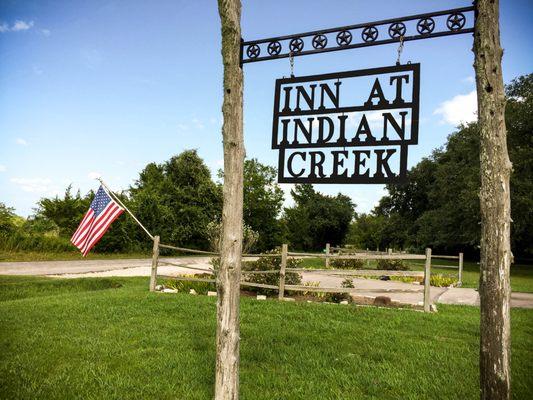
(439, 204)
(317, 219)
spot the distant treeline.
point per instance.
(176, 200)
(438, 207)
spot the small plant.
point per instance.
(345, 263)
(406, 279)
(313, 293)
(337, 297)
(442, 280)
(347, 283)
(392, 265)
(186, 286)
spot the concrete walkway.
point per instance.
(398, 291)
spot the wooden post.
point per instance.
(229, 274)
(284, 251)
(460, 279)
(427, 281)
(327, 255)
(390, 250)
(495, 207)
(155, 258)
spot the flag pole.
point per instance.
(115, 197)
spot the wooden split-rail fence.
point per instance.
(328, 255)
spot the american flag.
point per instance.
(102, 212)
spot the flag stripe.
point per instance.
(103, 230)
(82, 224)
(95, 223)
(84, 228)
(98, 223)
(82, 239)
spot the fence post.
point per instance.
(427, 281)
(284, 251)
(155, 257)
(460, 283)
(389, 251)
(327, 255)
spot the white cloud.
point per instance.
(20, 25)
(4, 27)
(460, 109)
(21, 142)
(197, 123)
(46, 32)
(94, 175)
(469, 79)
(33, 185)
(92, 58)
(3, 168)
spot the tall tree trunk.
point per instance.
(494, 286)
(228, 277)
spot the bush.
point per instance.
(270, 264)
(324, 296)
(186, 286)
(19, 241)
(347, 283)
(442, 280)
(344, 263)
(393, 265)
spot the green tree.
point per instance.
(7, 219)
(263, 200)
(439, 204)
(66, 212)
(177, 199)
(317, 219)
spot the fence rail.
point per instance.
(327, 256)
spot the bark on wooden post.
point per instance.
(284, 251)
(327, 255)
(427, 282)
(155, 258)
(495, 206)
(460, 278)
(228, 277)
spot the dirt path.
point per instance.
(397, 291)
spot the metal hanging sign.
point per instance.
(346, 127)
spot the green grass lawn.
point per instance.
(521, 275)
(112, 339)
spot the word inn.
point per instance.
(348, 127)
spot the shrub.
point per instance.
(337, 297)
(270, 264)
(393, 265)
(186, 286)
(214, 236)
(19, 241)
(347, 283)
(442, 280)
(345, 263)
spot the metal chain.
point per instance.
(291, 61)
(400, 49)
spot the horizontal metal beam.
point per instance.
(428, 25)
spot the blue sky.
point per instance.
(104, 87)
